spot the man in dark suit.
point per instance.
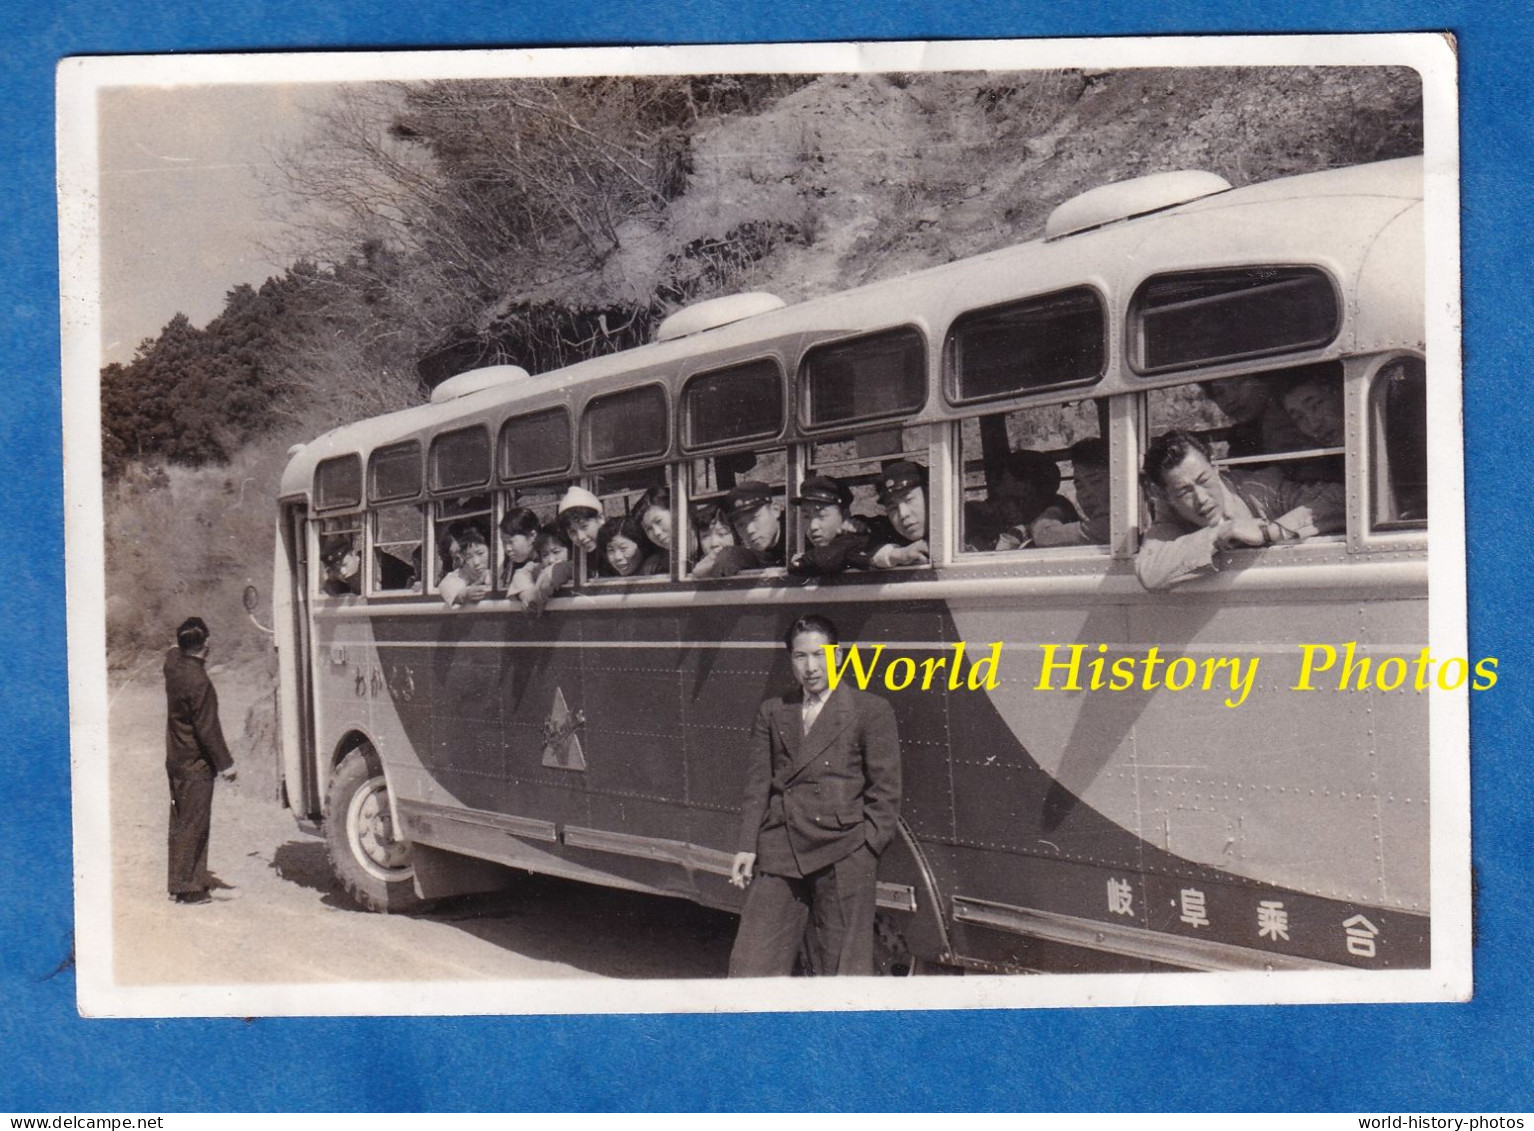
(195, 753)
(821, 803)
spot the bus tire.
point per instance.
(365, 857)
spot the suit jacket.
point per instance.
(194, 741)
(830, 791)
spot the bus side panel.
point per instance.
(1094, 804)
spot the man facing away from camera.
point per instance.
(821, 803)
(195, 753)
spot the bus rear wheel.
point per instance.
(366, 856)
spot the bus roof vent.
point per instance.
(714, 312)
(475, 380)
(1125, 200)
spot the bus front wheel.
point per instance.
(366, 856)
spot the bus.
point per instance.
(445, 749)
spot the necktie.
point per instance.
(812, 706)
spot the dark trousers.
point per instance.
(836, 904)
(191, 812)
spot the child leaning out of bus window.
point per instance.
(468, 550)
(580, 517)
(522, 576)
(653, 513)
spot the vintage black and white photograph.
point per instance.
(759, 528)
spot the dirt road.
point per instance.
(282, 920)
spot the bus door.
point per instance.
(299, 763)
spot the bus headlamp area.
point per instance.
(442, 748)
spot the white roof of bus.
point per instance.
(1298, 228)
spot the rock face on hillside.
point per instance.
(855, 178)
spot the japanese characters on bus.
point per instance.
(1047, 342)
(1397, 425)
(394, 473)
(867, 378)
(1196, 318)
(1035, 478)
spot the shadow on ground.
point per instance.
(602, 931)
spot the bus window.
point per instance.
(340, 561)
(535, 444)
(1398, 446)
(1035, 478)
(1207, 317)
(1250, 418)
(397, 566)
(394, 472)
(867, 378)
(338, 483)
(543, 503)
(623, 548)
(884, 473)
(460, 523)
(1040, 343)
(460, 460)
(737, 503)
(625, 426)
(728, 406)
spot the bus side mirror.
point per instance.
(252, 597)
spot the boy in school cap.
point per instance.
(903, 495)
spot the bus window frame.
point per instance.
(961, 557)
(1359, 376)
(431, 584)
(329, 461)
(1319, 549)
(590, 582)
(501, 503)
(682, 496)
(583, 459)
(359, 543)
(684, 444)
(373, 499)
(1226, 366)
(958, 406)
(372, 592)
(804, 401)
(795, 540)
(500, 474)
(433, 488)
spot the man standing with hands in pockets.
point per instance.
(821, 804)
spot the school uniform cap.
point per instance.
(819, 490)
(898, 477)
(579, 497)
(747, 496)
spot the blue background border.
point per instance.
(1475, 1057)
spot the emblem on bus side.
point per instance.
(561, 745)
